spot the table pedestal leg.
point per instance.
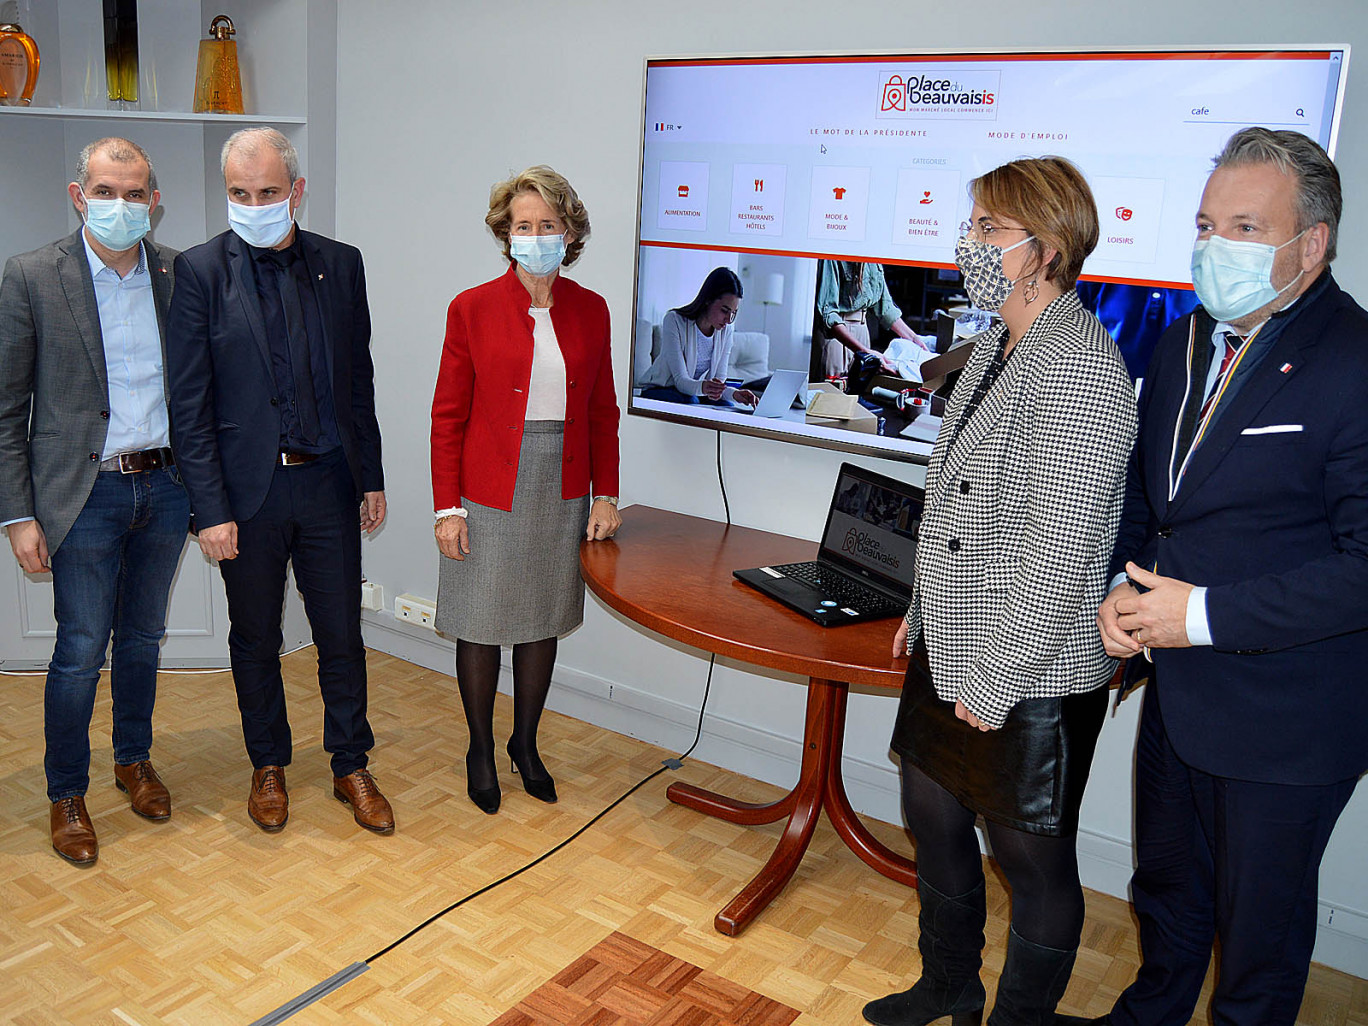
(819, 785)
(848, 826)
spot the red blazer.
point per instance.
(481, 396)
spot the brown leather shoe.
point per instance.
(146, 792)
(73, 835)
(369, 807)
(269, 803)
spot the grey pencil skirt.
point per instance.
(520, 581)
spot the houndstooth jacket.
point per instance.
(1021, 514)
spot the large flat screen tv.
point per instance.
(833, 187)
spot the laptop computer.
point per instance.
(778, 395)
(864, 565)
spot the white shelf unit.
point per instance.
(153, 115)
(287, 50)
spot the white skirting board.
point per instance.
(1104, 862)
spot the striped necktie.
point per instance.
(1232, 346)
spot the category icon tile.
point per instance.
(683, 198)
(757, 202)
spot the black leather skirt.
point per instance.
(1028, 775)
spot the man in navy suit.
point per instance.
(1242, 573)
(273, 407)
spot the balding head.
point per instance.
(118, 151)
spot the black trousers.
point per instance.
(310, 519)
(1217, 856)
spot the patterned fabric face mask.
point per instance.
(980, 264)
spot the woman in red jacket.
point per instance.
(524, 431)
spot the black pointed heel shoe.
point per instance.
(486, 799)
(541, 788)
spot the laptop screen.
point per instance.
(872, 526)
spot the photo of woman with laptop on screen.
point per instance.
(738, 351)
(696, 342)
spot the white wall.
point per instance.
(438, 99)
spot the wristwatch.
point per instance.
(612, 500)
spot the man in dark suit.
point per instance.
(273, 401)
(1242, 569)
(87, 485)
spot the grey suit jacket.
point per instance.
(54, 389)
(1021, 514)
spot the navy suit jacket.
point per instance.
(1272, 517)
(224, 419)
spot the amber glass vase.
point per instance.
(121, 52)
(18, 65)
(218, 84)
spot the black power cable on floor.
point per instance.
(726, 507)
(354, 970)
(674, 763)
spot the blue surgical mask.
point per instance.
(117, 223)
(538, 255)
(1234, 278)
(262, 227)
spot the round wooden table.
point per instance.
(672, 573)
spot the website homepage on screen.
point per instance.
(779, 168)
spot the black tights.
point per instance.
(477, 675)
(1047, 899)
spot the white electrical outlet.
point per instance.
(415, 610)
(372, 595)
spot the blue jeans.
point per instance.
(111, 574)
(666, 394)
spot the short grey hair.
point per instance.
(250, 141)
(1318, 180)
(121, 151)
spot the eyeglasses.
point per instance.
(984, 232)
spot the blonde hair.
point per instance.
(1050, 198)
(559, 195)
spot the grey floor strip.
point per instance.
(311, 995)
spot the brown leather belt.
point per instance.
(136, 462)
(293, 459)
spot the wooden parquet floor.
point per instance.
(623, 982)
(206, 920)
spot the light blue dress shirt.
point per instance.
(133, 356)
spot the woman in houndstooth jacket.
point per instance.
(1023, 500)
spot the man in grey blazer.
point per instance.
(88, 487)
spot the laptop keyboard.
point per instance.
(842, 588)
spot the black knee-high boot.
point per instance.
(951, 946)
(1033, 980)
